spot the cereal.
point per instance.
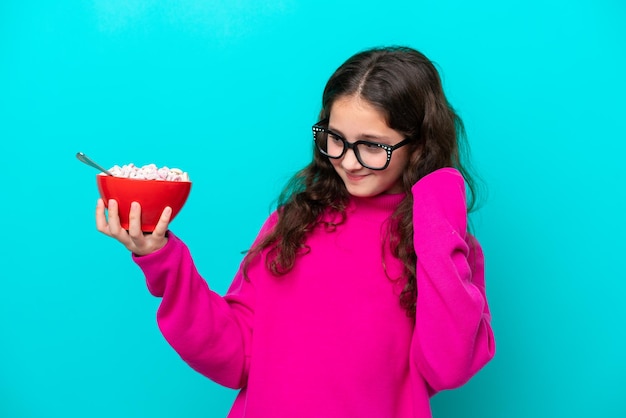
(149, 172)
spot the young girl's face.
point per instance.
(356, 119)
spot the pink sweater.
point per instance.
(330, 338)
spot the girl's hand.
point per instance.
(439, 208)
(134, 239)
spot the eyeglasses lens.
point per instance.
(368, 154)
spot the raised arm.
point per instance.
(453, 338)
(213, 334)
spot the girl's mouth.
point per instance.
(353, 177)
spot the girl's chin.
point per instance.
(361, 191)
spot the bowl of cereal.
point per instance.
(152, 187)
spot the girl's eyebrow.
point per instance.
(363, 137)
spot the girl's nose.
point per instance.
(349, 161)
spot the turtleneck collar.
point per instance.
(380, 203)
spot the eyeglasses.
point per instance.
(372, 155)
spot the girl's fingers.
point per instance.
(134, 223)
(101, 220)
(164, 220)
(114, 219)
(133, 239)
(110, 227)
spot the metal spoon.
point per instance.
(83, 158)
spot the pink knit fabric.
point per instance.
(330, 338)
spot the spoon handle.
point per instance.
(83, 158)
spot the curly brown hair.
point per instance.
(406, 87)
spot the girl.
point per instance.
(363, 294)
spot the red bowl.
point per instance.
(152, 195)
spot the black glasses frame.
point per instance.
(319, 128)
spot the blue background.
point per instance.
(228, 91)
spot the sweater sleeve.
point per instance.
(211, 333)
(453, 338)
